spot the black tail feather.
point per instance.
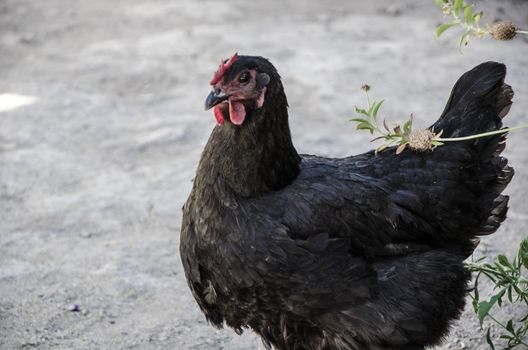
(479, 101)
(504, 100)
(476, 101)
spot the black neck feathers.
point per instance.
(256, 157)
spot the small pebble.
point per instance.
(459, 346)
(392, 11)
(28, 38)
(74, 308)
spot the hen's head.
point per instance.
(240, 86)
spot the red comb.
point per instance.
(219, 74)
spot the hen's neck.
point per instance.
(254, 158)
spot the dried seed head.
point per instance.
(365, 88)
(446, 8)
(503, 31)
(421, 140)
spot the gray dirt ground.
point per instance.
(93, 175)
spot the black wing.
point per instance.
(441, 198)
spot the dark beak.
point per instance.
(214, 98)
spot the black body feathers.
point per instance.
(360, 253)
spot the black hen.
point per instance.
(363, 252)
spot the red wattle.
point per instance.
(219, 116)
(237, 112)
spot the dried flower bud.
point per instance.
(421, 140)
(503, 31)
(365, 88)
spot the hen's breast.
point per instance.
(224, 262)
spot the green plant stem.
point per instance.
(374, 122)
(469, 27)
(519, 340)
(512, 281)
(489, 133)
(477, 268)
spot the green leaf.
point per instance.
(476, 17)
(381, 148)
(476, 293)
(468, 14)
(376, 106)
(503, 260)
(510, 296)
(489, 341)
(484, 307)
(501, 269)
(407, 126)
(362, 126)
(523, 253)
(359, 120)
(457, 7)
(365, 126)
(361, 111)
(464, 40)
(444, 26)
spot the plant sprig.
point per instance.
(397, 135)
(510, 285)
(403, 135)
(462, 14)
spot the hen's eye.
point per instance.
(244, 78)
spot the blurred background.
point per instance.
(102, 126)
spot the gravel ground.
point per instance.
(98, 162)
